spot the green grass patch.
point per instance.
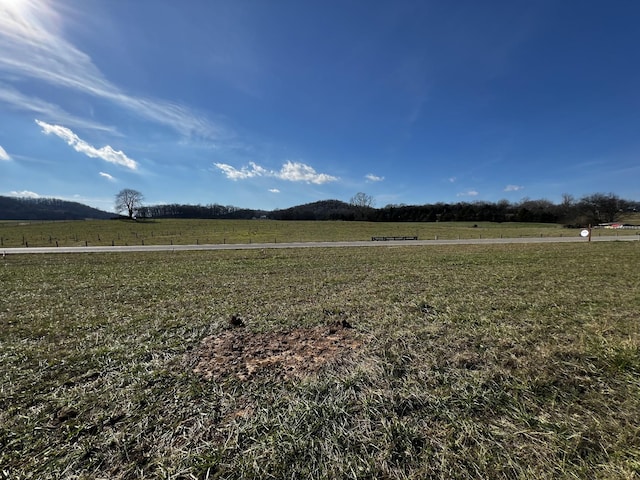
(497, 361)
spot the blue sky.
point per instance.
(269, 104)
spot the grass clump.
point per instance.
(500, 361)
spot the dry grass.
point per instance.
(185, 232)
(514, 361)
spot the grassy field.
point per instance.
(183, 232)
(505, 361)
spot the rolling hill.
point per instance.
(12, 208)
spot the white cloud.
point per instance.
(373, 178)
(274, 190)
(33, 47)
(111, 178)
(3, 154)
(24, 194)
(513, 188)
(106, 153)
(470, 193)
(299, 172)
(254, 170)
(290, 171)
(452, 179)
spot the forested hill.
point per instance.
(323, 210)
(12, 208)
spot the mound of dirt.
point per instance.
(239, 352)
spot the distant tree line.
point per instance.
(175, 210)
(591, 209)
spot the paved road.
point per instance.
(253, 246)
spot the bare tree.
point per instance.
(361, 199)
(603, 207)
(128, 200)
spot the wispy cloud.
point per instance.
(452, 179)
(274, 190)
(111, 178)
(373, 178)
(24, 194)
(3, 154)
(469, 193)
(33, 47)
(19, 101)
(290, 171)
(106, 153)
(513, 188)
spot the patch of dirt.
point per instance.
(241, 353)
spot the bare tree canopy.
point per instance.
(128, 200)
(361, 199)
(604, 207)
